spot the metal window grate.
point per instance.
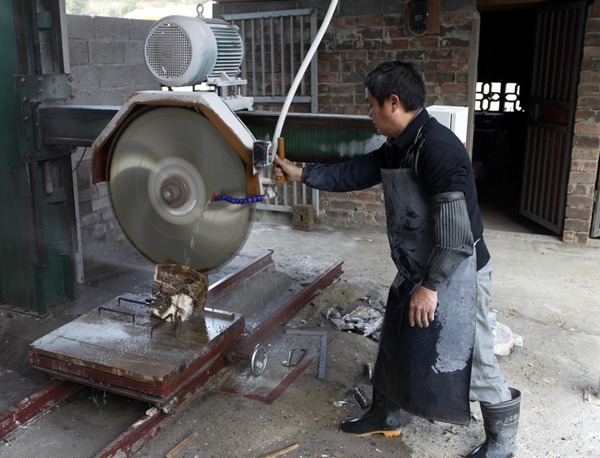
(498, 97)
(275, 45)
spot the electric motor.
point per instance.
(184, 51)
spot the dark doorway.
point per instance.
(505, 66)
(528, 71)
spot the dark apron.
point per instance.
(426, 371)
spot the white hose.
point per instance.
(301, 71)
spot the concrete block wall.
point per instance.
(583, 177)
(107, 66)
(107, 59)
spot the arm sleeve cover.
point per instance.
(453, 238)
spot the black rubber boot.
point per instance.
(382, 418)
(500, 422)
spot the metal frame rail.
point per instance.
(149, 426)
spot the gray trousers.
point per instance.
(487, 382)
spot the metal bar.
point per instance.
(273, 14)
(295, 192)
(322, 357)
(148, 427)
(266, 328)
(36, 405)
(281, 98)
(322, 351)
(136, 437)
(314, 68)
(131, 301)
(302, 88)
(244, 62)
(292, 69)
(272, 54)
(121, 312)
(73, 125)
(252, 39)
(282, 56)
(262, 58)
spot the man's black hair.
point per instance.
(400, 78)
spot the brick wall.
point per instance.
(586, 140)
(354, 45)
(107, 66)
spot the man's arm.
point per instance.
(358, 173)
(453, 244)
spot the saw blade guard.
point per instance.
(164, 165)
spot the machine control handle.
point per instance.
(281, 155)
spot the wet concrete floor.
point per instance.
(546, 292)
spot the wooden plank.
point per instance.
(183, 444)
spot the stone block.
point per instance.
(78, 52)
(303, 217)
(107, 52)
(102, 96)
(143, 78)
(115, 76)
(80, 27)
(138, 29)
(111, 28)
(134, 53)
(85, 77)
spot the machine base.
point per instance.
(119, 347)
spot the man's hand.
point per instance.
(287, 168)
(422, 307)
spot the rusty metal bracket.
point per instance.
(119, 312)
(291, 362)
(322, 351)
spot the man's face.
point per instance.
(382, 116)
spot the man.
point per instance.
(436, 348)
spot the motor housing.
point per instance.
(185, 51)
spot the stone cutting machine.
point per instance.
(182, 169)
(183, 173)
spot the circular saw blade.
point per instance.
(163, 169)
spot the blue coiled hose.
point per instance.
(235, 200)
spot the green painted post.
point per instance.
(36, 197)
